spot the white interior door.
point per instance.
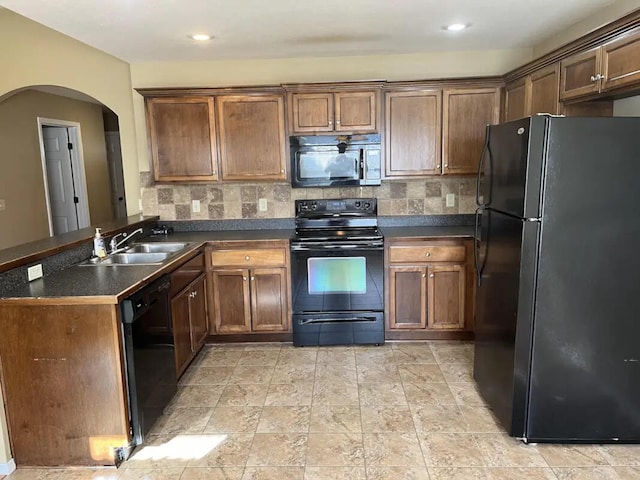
(114, 158)
(62, 197)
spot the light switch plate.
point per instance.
(34, 272)
(262, 204)
(451, 199)
(195, 206)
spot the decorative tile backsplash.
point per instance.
(235, 201)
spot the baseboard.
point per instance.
(7, 468)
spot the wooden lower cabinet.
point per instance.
(430, 288)
(63, 383)
(249, 287)
(189, 310)
(189, 316)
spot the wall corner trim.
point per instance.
(8, 468)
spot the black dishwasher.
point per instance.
(150, 356)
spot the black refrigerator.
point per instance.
(557, 352)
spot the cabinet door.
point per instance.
(182, 138)
(311, 112)
(269, 300)
(413, 132)
(544, 90)
(198, 313)
(516, 101)
(446, 294)
(181, 329)
(408, 297)
(466, 114)
(252, 137)
(621, 61)
(231, 307)
(355, 112)
(578, 74)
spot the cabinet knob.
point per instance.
(424, 275)
(282, 170)
(337, 122)
(244, 278)
(437, 166)
(247, 257)
(193, 294)
(330, 122)
(428, 254)
(446, 165)
(593, 78)
(253, 278)
(431, 275)
(214, 172)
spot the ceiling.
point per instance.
(158, 30)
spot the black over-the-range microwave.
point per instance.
(334, 161)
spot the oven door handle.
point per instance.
(310, 321)
(304, 248)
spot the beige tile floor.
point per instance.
(403, 411)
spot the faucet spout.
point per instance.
(114, 243)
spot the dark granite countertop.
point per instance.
(82, 284)
(428, 231)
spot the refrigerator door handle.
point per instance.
(486, 150)
(476, 244)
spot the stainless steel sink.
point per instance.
(117, 259)
(155, 247)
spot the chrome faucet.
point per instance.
(114, 244)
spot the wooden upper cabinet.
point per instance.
(327, 112)
(252, 137)
(544, 90)
(312, 112)
(182, 138)
(516, 100)
(413, 132)
(578, 74)
(614, 65)
(621, 61)
(355, 112)
(466, 114)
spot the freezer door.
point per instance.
(503, 316)
(511, 166)
(586, 361)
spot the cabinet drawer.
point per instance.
(426, 253)
(250, 257)
(186, 273)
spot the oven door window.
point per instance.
(319, 165)
(337, 275)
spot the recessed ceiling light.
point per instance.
(456, 27)
(201, 37)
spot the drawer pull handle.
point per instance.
(428, 254)
(246, 257)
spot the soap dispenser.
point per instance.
(99, 249)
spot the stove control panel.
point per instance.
(358, 206)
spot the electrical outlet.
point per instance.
(2, 204)
(451, 199)
(34, 272)
(195, 206)
(262, 204)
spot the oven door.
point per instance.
(335, 278)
